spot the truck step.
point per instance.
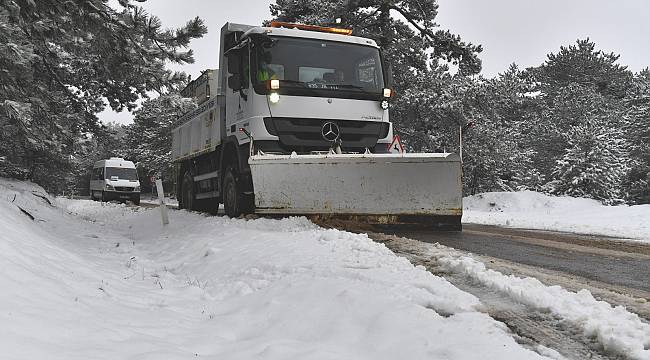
(207, 176)
(207, 195)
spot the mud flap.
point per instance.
(387, 188)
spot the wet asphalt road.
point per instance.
(606, 260)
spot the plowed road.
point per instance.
(606, 260)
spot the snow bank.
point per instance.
(532, 210)
(149, 199)
(104, 281)
(619, 331)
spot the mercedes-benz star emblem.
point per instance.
(330, 131)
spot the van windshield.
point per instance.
(312, 67)
(121, 173)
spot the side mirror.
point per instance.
(233, 63)
(234, 82)
(389, 76)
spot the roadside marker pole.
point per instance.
(161, 197)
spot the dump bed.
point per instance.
(199, 131)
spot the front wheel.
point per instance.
(235, 202)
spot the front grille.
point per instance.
(123, 188)
(304, 134)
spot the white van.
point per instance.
(115, 179)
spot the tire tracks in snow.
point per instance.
(531, 326)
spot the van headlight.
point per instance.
(274, 97)
(109, 187)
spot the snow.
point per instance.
(86, 280)
(550, 353)
(616, 329)
(532, 210)
(152, 200)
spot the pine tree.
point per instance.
(580, 93)
(592, 158)
(582, 64)
(637, 117)
(498, 155)
(60, 61)
(149, 137)
(594, 165)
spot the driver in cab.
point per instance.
(264, 71)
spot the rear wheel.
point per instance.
(136, 200)
(103, 197)
(235, 202)
(187, 193)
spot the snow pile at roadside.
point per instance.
(617, 330)
(532, 210)
(150, 199)
(105, 281)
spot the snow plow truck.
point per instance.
(296, 122)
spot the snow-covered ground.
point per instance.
(86, 280)
(531, 210)
(149, 199)
(619, 331)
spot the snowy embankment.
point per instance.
(532, 210)
(90, 281)
(619, 331)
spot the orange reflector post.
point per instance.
(278, 24)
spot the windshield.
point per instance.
(121, 173)
(318, 68)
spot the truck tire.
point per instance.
(235, 202)
(136, 200)
(187, 193)
(103, 197)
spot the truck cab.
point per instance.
(115, 179)
(283, 85)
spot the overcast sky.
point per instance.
(520, 31)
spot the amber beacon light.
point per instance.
(279, 24)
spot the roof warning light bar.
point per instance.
(278, 24)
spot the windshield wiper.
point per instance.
(350, 86)
(292, 81)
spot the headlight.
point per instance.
(109, 187)
(384, 104)
(274, 97)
